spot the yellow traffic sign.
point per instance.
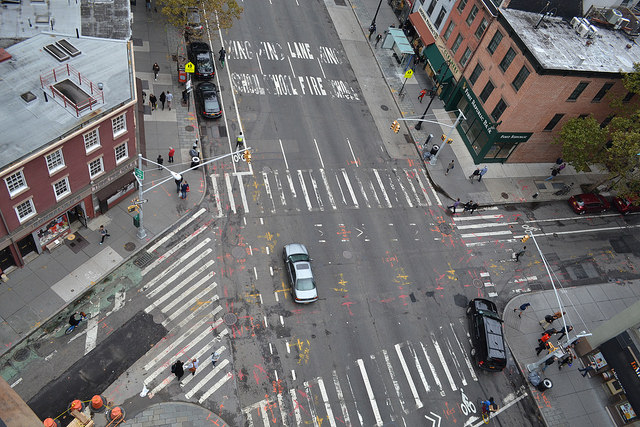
(408, 74)
(189, 67)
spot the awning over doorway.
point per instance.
(422, 29)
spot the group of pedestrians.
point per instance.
(470, 206)
(557, 168)
(478, 173)
(179, 367)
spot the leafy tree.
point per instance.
(225, 11)
(615, 147)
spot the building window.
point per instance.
(431, 7)
(55, 161)
(480, 30)
(472, 15)
(476, 73)
(15, 183)
(520, 78)
(554, 121)
(25, 210)
(508, 58)
(91, 140)
(606, 121)
(448, 31)
(61, 188)
(456, 43)
(497, 112)
(122, 152)
(628, 97)
(462, 5)
(495, 41)
(440, 17)
(119, 125)
(465, 57)
(488, 88)
(602, 92)
(96, 167)
(578, 91)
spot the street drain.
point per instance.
(144, 260)
(129, 246)
(21, 355)
(230, 319)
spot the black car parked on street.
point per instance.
(199, 53)
(487, 338)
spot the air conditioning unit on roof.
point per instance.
(583, 30)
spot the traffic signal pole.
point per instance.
(434, 158)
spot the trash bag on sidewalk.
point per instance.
(534, 378)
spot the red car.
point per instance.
(588, 203)
(624, 206)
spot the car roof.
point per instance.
(589, 198)
(296, 248)
(206, 86)
(484, 304)
(303, 270)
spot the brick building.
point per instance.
(518, 80)
(68, 140)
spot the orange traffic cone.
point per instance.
(98, 403)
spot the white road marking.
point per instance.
(425, 193)
(346, 179)
(119, 302)
(245, 205)
(489, 242)
(232, 202)
(304, 190)
(267, 188)
(384, 192)
(372, 399)
(188, 256)
(502, 409)
(484, 225)
(404, 191)
(364, 194)
(464, 354)
(312, 406)
(187, 294)
(92, 331)
(286, 164)
(355, 401)
(184, 282)
(343, 404)
(344, 200)
(283, 411)
(419, 201)
(353, 156)
(407, 374)
(293, 189)
(188, 221)
(443, 362)
(173, 250)
(488, 233)
(329, 193)
(216, 194)
(423, 378)
(296, 406)
(455, 361)
(219, 367)
(477, 217)
(194, 313)
(283, 200)
(314, 184)
(375, 195)
(319, 155)
(200, 354)
(394, 381)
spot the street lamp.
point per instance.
(373, 22)
(418, 125)
(434, 158)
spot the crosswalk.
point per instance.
(487, 228)
(375, 390)
(320, 190)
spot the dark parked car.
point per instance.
(207, 102)
(194, 23)
(624, 206)
(303, 287)
(487, 340)
(200, 55)
(588, 203)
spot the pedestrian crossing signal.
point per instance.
(395, 126)
(246, 156)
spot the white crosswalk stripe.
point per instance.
(380, 388)
(485, 229)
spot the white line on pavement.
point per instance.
(267, 188)
(329, 193)
(188, 221)
(372, 399)
(176, 264)
(245, 205)
(407, 374)
(394, 381)
(216, 194)
(325, 397)
(443, 362)
(346, 179)
(173, 250)
(314, 184)
(232, 202)
(312, 406)
(434, 373)
(384, 192)
(343, 404)
(304, 189)
(488, 233)
(464, 354)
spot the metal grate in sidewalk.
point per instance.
(144, 260)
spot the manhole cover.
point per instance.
(21, 355)
(144, 260)
(384, 107)
(230, 319)
(504, 195)
(445, 228)
(188, 128)
(129, 246)
(347, 254)
(477, 283)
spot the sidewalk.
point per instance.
(573, 400)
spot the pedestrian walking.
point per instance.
(148, 5)
(482, 172)
(221, 55)
(473, 207)
(163, 99)
(214, 358)
(178, 182)
(423, 92)
(585, 370)
(152, 101)
(564, 331)
(192, 365)
(541, 347)
(559, 161)
(454, 205)
(561, 167)
(239, 142)
(554, 172)
(550, 331)
(550, 318)
(467, 206)
(378, 38)
(372, 29)
(156, 67)
(518, 254)
(522, 308)
(550, 361)
(177, 369)
(169, 99)
(184, 188)
(172, 152)
(103, 233)
(474, 174)
(159, 161)
(544, 338)
(567, 359)
(449, 167)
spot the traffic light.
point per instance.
(132, 208)
(525, 238)
(443, 137)
(395, 126)
(449, 141)
(246, 156)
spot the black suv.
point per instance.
(487, 340)
(200, 55)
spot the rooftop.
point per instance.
(557, 46)
(27, 127)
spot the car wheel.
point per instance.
(473, 351)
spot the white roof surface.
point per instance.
(28, 127)
(557, 46)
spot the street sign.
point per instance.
(408, 74)
(189, 67)
(139, 173)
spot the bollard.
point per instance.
(97, 403)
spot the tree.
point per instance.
(225, 11)
(614, 147)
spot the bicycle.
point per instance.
(564, 190)
(487, 407)
(72, 327)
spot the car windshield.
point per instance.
(305, 285)
(204, 63)
(211, 102)
(299, 257)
